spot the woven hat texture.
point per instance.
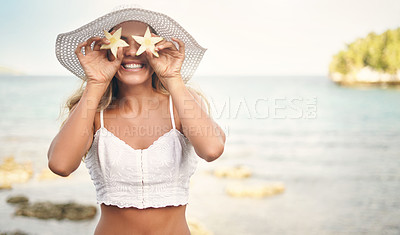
(165, 26)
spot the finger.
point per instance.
(120, 55)
(166, 45)
(158, 45)
(99, 43)
(155, 35)
(110, 56)
(88, 47)
(149, 55)
(160, 42)
(78, 50)
(151, 58)
(181, 45)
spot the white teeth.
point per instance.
(133, 66)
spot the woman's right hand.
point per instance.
(98, 68)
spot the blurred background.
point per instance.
(307, 93)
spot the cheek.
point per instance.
(150, 68)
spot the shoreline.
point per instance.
(366, 76)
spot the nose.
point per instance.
(132, 49)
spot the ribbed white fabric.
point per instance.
(157, 176)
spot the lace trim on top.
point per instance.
(157, 176)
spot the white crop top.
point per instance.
(157, 176)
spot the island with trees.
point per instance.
(373, 60)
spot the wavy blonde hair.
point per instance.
(112, 92)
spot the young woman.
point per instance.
(137, 123)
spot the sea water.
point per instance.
(336, 150)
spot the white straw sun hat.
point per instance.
(165, 27)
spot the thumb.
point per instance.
(148, 53)
(149, 57)
(120, 56)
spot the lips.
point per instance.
(133, 65)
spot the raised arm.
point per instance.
(76, 135)
(207, 138)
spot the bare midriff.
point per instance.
(150, 221)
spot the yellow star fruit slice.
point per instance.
(115, 41)
(147, 42)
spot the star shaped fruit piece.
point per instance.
(147, 42)
(115, 41)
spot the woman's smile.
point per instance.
(133, 67)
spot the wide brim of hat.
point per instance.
(166, 27)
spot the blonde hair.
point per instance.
(112, 92)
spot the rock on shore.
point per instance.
(13, 172)
(196, 228)
(237, 172)
(16, 232)
(255, 191)
(49, 210)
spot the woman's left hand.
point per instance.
(168, 65)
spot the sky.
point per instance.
(253, 37)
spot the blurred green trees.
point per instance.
(380, 52)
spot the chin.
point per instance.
(134, 76)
